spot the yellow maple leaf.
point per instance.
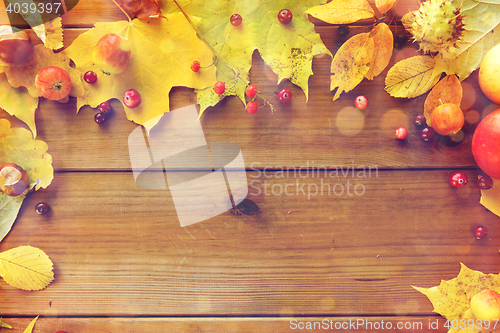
(351, 63)
(448, 90)
(162, 53)
(451, 298)
(26, 267)
(412, 77)
(383, 46)
(51, 34)
(342, 11)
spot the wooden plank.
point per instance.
(118, 249)
(231, 325)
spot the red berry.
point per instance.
(42, 208)
(195, 67)
(236, 19)
(285, 16)
(60, 332)
(284, 95)
(458, 179)
(361, 102)
(132, 98)
(100, 118)
(401, 133)
(484, 182)
(90, 77)
(252, 107)
(427, 134)
(251, 90)
(480, 232)
(104, 107)
(219, 87)
(419, 120)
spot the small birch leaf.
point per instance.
(342, 11)
(382, 52)
(491, 198)
(26, 268)
(412, 77)
(351, 63)
(448, 90)
(30, 327)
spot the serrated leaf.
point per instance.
(351, 63)
(451, 298)
(51, 34)
(412, 77)
(18, 102)
(26, 268)
(162, 53)
(30, 327)
(23, 75)
(384, 6)
(9, 208)
(491, 198)
(448, 90)
(287, 49)
(383, 46)
(342, 11)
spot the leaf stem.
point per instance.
(123, 10)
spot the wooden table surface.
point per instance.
(123, 263)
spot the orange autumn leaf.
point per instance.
(351, 63)
(141, 9)
(382, 52)
(384, 6)
(448, 90)
(342, 11)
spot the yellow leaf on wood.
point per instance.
(382, 52)
(491, 198)
(51, 34)
(342, 11)
(384, 6)
(30, 327)
(412, 77)
(4, 324)
(351, 63)
(448, 90)
(26, 267)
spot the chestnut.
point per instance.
(15, 47)
(13, 179)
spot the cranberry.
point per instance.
(484, 182)
(361, 102)
(401, 133)
(419, 120)
(427, 134)
(284, 95)
(90, 77)
(236, 19)
(104, 107)
(458, 179)
(285, 16)
(100, 118)
(480, 232)
(42, 208)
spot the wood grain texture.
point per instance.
(119, 251)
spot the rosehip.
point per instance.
(100, 118)
(480, 232)
(236, 19)
(401, 133)
(132, 98)
(219, 87)
(285, 16)
(195, 67)
(252, 107)
(42, 208)
(458, 179)
(361, 102)
(90, 77)
(284, 95)
(251, 90)
(104, 107)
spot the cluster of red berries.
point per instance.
(103, 114)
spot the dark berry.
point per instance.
(484, 182)
(42, 208)
(100, 118)
(285, 16)
(427, 134)
(343, 30)
(480, 232)
(90, 77)
(236, 19)
(219, 87)
(400, 40)
(401, 133)
(458, 179)
(284, 95)
(104, 107)
(419, 120)
(195, 67)
(252, 107)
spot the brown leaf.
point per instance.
(351, 63)
(384, 6)
(448, 90)
(141, 9)
(382, 52)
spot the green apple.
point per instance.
(112, 54)
(486, 305)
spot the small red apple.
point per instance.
(15, 47)
(486, 144)
(13, 179)
(131, 98)
(447, 119)
(112, 54)
(53, 83)
(486, 305)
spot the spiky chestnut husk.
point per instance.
(437, 26)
